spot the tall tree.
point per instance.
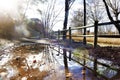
(50, 15)
(66, 18)
(84, 38)
(112, 6)
(68, 4)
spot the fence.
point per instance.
(96, 25)
(96, 62)
(98, 67)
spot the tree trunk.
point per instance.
(117, 25)
(84, 38)
(66, 18)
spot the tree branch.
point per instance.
(108, 11)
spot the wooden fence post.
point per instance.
(58, 42)
(70, 36)
(95, 66)
(70, 42)
(95, 45)
(65, 58)
(58, 34)
(84, 38)
(95, 33)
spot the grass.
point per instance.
(101, 41)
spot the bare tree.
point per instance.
(113, 7)
(95, 10)
(109, 29)
(50, 15)
(78, 19)
(35, 27)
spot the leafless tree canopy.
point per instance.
(77, 19)
(113, 6)
(95, 10)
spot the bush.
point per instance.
(7, 27)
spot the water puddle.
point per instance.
(31, 62)
(23, 63)
(99, 62)
(42, 62)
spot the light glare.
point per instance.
(7, 5)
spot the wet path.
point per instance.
(75, 70)
(42, 62)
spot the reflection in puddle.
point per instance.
(100, 66)
(27, 62)
(22, 63)
(76, 71)
(42, 62)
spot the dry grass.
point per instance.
(110, 41)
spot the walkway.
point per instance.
(103, 56)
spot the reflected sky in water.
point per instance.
(26, 61)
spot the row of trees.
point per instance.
(100, 11)
(96, 11)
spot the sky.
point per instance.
(75, 6)
(12, 7)
(9, 7)
(59, 5)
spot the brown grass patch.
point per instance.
(113, 41)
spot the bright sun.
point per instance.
(7, 4)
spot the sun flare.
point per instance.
(7, 5)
